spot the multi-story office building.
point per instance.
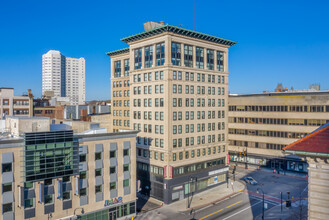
(262, 124)
(61, 175)
(178, 102)
(120, 89)
(64, 76)
(15, 105)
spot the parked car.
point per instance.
(250, 180)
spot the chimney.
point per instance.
(162, 22)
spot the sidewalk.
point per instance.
(298, 209)
(208, 197)
(145, 203)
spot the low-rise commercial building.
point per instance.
(15, 105)
(61, 175)
(260, 125)
(314, 148)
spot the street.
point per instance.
(246, 204)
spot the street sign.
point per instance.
(265, 205)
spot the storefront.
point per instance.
(195, 183)
(287, 163)
(116, 210)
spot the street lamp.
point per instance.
(190, 179)
(260, 189)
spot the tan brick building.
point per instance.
(61, 175)
(15, 105)
(178, 101)
(262, 124)
(120, 89)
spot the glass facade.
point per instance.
(220, 61)
(50, 155)
(183, 170)
(188, 56)
(148, 56)
(176, 54)
(210, 59)
(126, 67)
(199, 57)
(138, 58)
(117, 68)
(112, 213)
(160, 54)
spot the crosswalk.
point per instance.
(269, 199)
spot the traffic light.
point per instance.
(244, 153)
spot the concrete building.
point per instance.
(56, 174)
(15, 105)
(76, 111)
(314, 148)
(174, 75)
(262, 124)
(64, 76)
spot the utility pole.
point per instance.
(245, 156)
(281, 201)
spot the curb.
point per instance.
(217, 200)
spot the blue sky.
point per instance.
(279, 41)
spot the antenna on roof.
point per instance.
(194, 16)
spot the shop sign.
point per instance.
(113, 201)
(177, 187)
(218, 171)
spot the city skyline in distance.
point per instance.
(281, 42)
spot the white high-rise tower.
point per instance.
(64, 76)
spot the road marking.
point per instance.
(220, 201)
(211, 214)
(203, 208)
(233, 204)
(241, 211)
(266, 200)
(220, 210)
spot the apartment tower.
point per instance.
(178, 82)
(64, 76)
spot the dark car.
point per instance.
(250, 180)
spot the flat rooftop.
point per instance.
(289, 93)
